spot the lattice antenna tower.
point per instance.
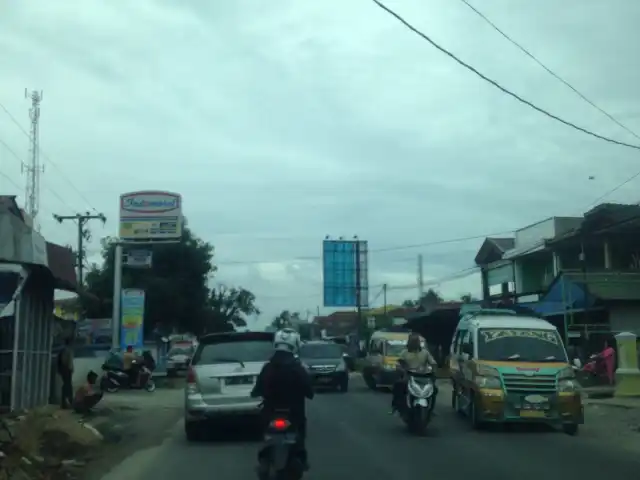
(33, 169)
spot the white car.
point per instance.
(178, 359)
(222, 373)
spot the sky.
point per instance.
(283, 122)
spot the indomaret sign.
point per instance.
(150, 215)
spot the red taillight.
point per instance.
(191, 376)
(280, 424)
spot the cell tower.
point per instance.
(33, 169)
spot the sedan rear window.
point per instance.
(180, 351)
(321, 350)
(236, 351)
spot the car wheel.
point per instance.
(193, 431)
(369, 381)
(570, 428)
(476, 423)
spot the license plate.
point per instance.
(323, 379)
(238, 381)
(532, 414)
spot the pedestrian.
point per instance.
(88, 395)
(65, 370)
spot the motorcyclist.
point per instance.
(283, 383)
(414, 357)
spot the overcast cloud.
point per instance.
(281, 122)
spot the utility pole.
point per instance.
(384, 298)
(358, 288)
(83, 234)
(420, 278)
(33, 169)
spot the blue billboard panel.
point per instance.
(344, 274)
(132, 319)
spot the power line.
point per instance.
(83, 234)
(48, 159)
(551, 72)
(568, 85)
(615, 189)
(12, 182)
(497, 85)
(429, 283)
(25, 165)
(373, 250)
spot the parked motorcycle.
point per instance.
(595, 370)
(279, 458)
(114, 378)
(418, 406)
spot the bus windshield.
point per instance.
(520, 345)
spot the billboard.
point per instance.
(138, 258)
(344, 269)
(150, 215)
(132, 318)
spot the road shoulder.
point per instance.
(132, 422)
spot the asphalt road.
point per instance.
(351, 436)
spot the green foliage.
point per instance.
(227, 308)
(467, 298)
(430, 297)
(292, 320)
(176, 286)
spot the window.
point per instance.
(520, 344)
(395, 348)
(466, 340)
(180, 351)
(321, 350)
(249, 350)
(457, 347)
(376, 347)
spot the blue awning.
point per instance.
(564, 295)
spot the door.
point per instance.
(375, 357)
(465, 360)
(455, 355)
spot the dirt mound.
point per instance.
(45, 443)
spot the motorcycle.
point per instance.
(113, 378)
(419, 401)
(279, 459)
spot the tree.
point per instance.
(467, 298)
(176, 288)
(284, 319)
(228, 307)
(430, 297)
(292, 320)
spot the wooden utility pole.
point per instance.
(83, 234)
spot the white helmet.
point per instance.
(287, 340)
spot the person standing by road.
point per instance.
(65, 370)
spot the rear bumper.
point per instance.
(332, 379)
(176, 365)
(196, 409)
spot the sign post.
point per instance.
(147, 218)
